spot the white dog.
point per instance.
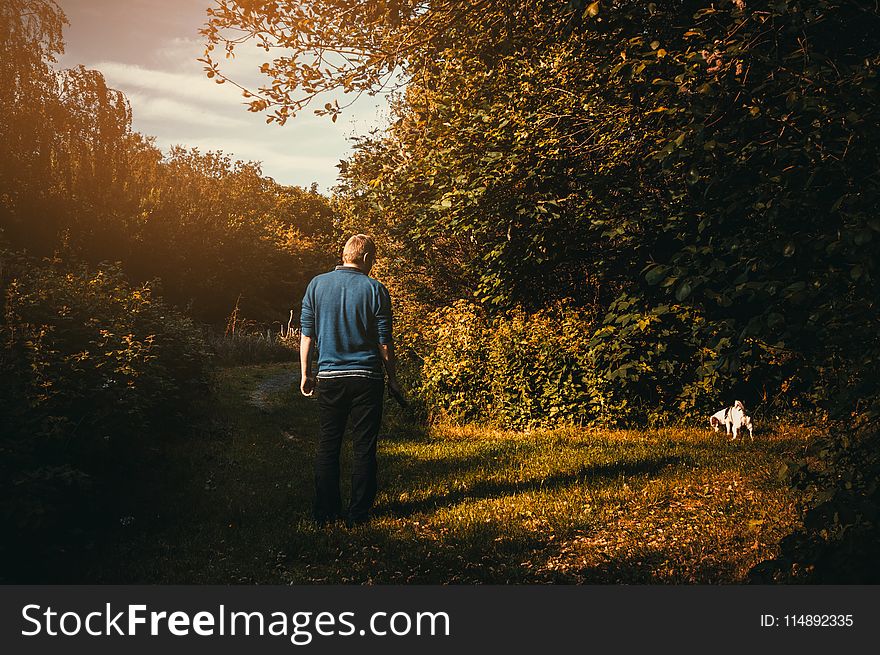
(733, 419)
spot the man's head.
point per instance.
(359, 251)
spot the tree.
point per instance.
(30, 39)
(76, 180)
(353, 46)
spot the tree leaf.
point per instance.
(683, 291)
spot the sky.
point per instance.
(148, 50)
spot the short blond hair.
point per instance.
(358, 247)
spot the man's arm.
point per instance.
(306, 342)
(307, 382)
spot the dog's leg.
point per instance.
(734, 433)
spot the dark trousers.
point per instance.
(360, 399)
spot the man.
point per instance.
(347, 315)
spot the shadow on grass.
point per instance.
(494, 489)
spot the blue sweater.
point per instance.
(348, 314)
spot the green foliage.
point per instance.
(658, 362)
(89, 367)
(762, 136)
(226, 233)
(455, 372)
(839, 542)
(562, 366)
(706, 157)
(89, 339)
(540, 369)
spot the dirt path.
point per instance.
(270, 388)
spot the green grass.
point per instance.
(231, 503)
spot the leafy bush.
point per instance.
(839, 542)
(456, 380)
(96, 350)
(516, 369)
(89, 366)
(562, 366)
(667, 360)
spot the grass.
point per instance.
(231, 503)
(250, 347)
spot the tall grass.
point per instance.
(238, 348)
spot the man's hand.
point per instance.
(307, 386)
(307, 382)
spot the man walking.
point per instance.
(346, 314)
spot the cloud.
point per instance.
(181, 53)
(173, 100)
(150, 55)
(191, 86)
(166, 110)
(196, 88)
(279, 159)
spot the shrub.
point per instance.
(839, 542)
(455, 380)
(541, 372)
(89, 365)
(562, 366)
(516, 369)
(658, 361)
